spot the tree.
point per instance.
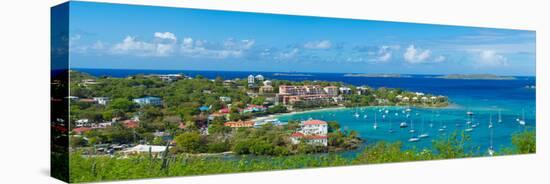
(525, 142)
(188, 142)
(121, 104)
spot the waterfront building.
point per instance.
(259, 77)
(82, 123)
(321, 140)
(251, 79)
(266, 89)
(331, 90)
(148, 100)
(345, 90)
(268, 83)
(362, 90)
(289, 95)
(314, 127)
(239, 124)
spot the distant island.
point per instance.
(292, 74)
(476, 77)
(376, 75)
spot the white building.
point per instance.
(267, 83)
(345, 90)
(143, 149)
(225, 99)
(251, 79)
(259, 77)
(82, 123)
(314, 127)
(101, 100)
(148, 100)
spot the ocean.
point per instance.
(485, 98)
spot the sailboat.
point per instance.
(375, 126)
(403, 124)
(499, 117)
(391, 129)
(413, 137)
(522, 120)
(469, 126)
(423, 134)
(412, 127)
(491, 121)
(491, 151)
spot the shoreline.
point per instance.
(271, 116)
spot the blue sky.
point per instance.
(145, 37)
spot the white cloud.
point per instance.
(203, 48)
(131, 45)
(416, 55)
(384, 53)
(323, 44)
(490, 58)
(165, 35)
(290, 54)
(440, 59)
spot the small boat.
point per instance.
(424, 135)
(403, 125)
(474, 126)
(470, 113)
(414, 139)
(522, 121)
(356, 115)
(441, 130)
(468, 129)
(365, 116)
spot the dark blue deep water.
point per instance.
(485, 98)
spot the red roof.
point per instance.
(81, 130)
(224, 110)
(297, 134)
(130, 124)
(315, 137)
(89, 100)
(181, 125)
(239, 124)
(315, 122)
(216, 114)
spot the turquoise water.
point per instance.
(454, 118)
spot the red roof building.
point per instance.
(315, 122)
(130, 124)
(239, 124)
(81, 130)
